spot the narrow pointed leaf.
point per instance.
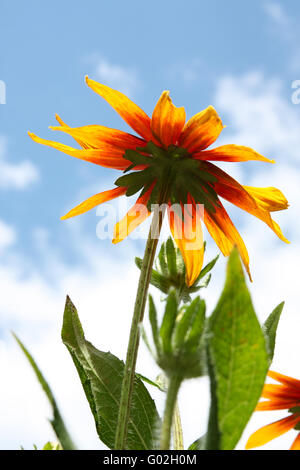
(270, 328)
(57, 421)
(208, 268)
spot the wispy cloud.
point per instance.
(7, 235)
(277, 14)
(189, 71)
(260, 114)
(15, 175)
(121, 77)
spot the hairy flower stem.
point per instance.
(173, 388)
(138, 315)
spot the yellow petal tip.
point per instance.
(32, 135)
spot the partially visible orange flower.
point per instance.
(170, 145)
(285, 396)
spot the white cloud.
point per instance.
(260, 115)
(122, 78)
(7, 236)
(277, 14)
(15, 175)
(188, 71)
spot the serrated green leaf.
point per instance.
(101, 375)
(270, 329)
(238, 357)
(57, 421)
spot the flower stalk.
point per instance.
(138, 315)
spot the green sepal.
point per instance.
(180, 347)
(168, 323)
(170, 272)
(154, 324)
(171, 256)
(297, 427)
(187, 321)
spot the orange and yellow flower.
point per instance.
(168, 145)
(285, 396)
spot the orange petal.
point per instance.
(106, 155)
(271, 431)
(296, 443)
(185, 225)
(201, 130)
(280, 391)
(95, 136)
(134, 217)
(284, 379)
(135, 117)
(225, 234)
(232, 191)
(63, 124)
(269, 199)
(95, 201)
(231, 153)
(271, 405)
(167, 121)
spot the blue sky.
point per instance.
(240, 57)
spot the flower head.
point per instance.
(169, 163)
(285, 396)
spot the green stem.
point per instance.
(134, 338)
(173, 388)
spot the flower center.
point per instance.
(174, 166)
